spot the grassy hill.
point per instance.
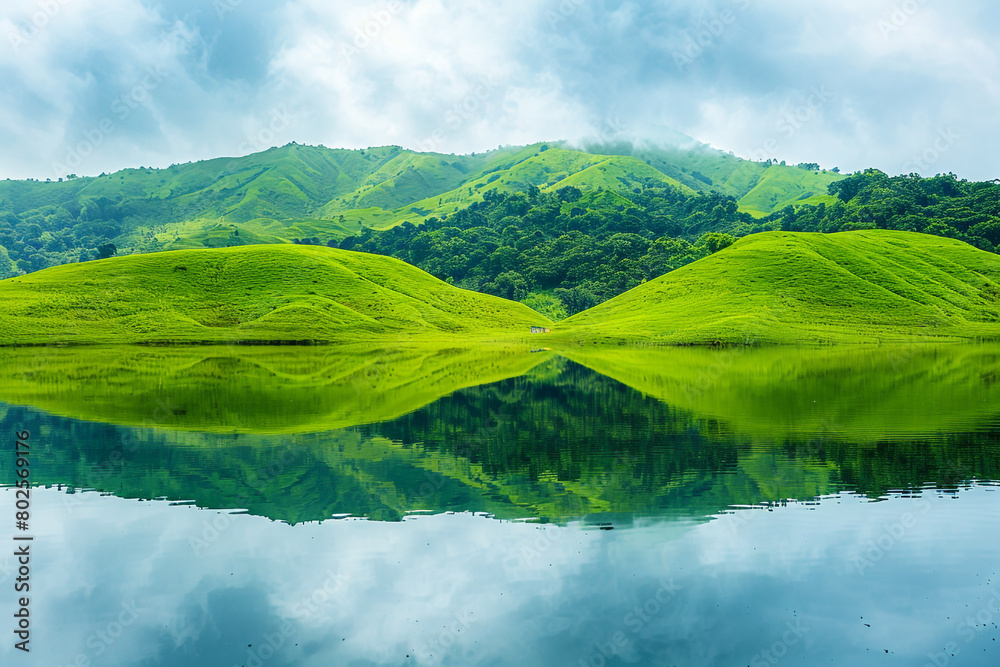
(779, 187)
(761, 188)
(785, 287)
(250, 293)
(312, 192)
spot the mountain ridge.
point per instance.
(313, 192)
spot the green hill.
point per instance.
(786, 287)
(250, 293)
(780, 187)
(761, 188)
(323, 195)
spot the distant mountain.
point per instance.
(276, 293)
(307, 192)
(760, 188)
(789, 287)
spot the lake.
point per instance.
(273, 506)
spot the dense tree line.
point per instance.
(50, 235)
(942, 206)
(581, 248)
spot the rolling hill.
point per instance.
(311, 192)
(786, 287)
(251, 293)
(761, 188)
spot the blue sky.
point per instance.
(98, 85)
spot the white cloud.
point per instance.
(412, 72)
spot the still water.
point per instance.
(585, 506)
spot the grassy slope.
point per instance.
(617, 173)
(759, 188)
(779, 187)
(549, 170)
(784, 287)
(260, 293)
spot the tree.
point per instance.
(576, 300)
(714, 241)
(106, 250)
(7, 268)
(509, 285)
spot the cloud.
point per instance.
(236, 76)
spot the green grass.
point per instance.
(250, 293)
(779, 187)
(548, 170)
(760, 188)
(786, 287)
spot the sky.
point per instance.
(88, 86)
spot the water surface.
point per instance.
(324, 506)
